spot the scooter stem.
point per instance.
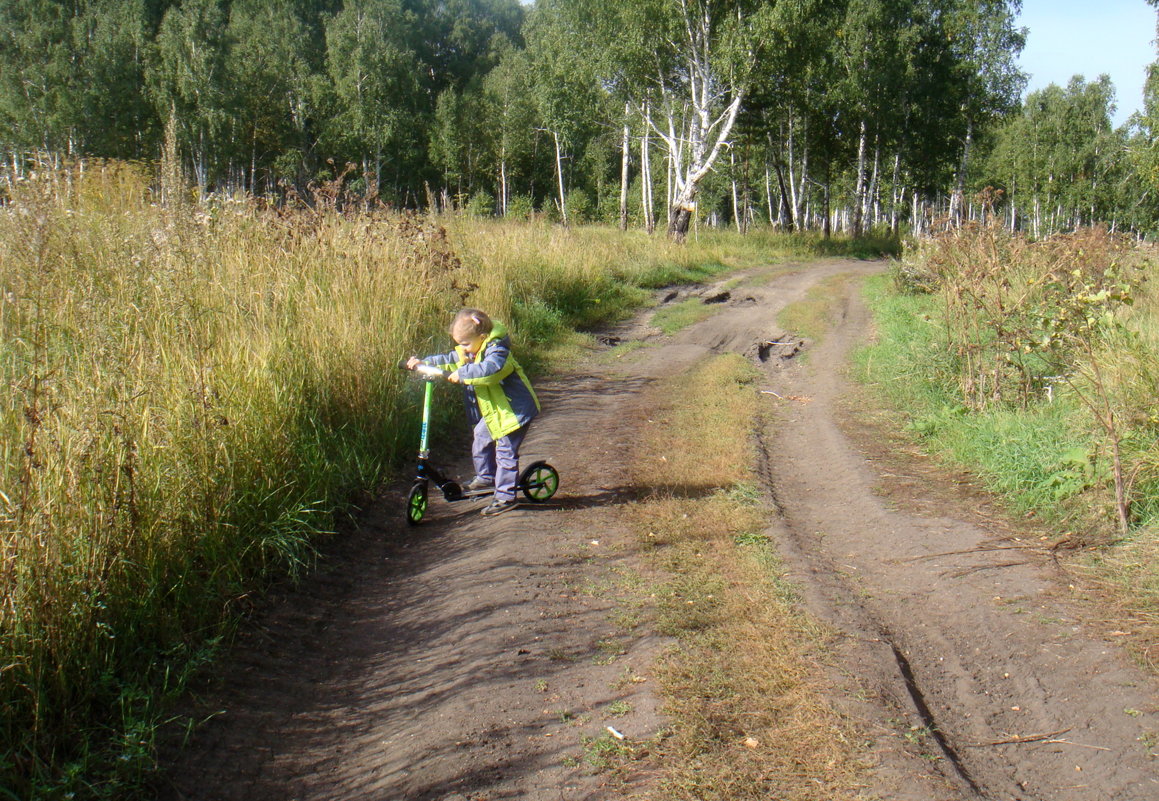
(427, 391)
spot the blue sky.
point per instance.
(1088, 38)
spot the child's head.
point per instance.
(469, 328)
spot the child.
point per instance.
(499, 398)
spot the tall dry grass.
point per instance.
(195, 391)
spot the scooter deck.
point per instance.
(479, 493)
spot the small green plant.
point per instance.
(618, 709)
(751, 538)
(481, 204)
(605, 752)
(557, 654)
(917, 735)
(1150, 741)
(607, 651)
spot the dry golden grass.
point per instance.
(743, 687)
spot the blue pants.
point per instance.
(498, 459)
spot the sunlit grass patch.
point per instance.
(813, 316)
(749, 712)
(1128, 575)
(690, 311)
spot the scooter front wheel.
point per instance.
(539, 481)
(416, 503)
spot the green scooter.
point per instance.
(538, 481)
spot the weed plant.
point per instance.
(198, 390)
(1035, 363)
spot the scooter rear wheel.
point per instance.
(539, 481)
(416, 503)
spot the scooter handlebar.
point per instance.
(425, 371)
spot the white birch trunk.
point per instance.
(859, 191)
(646, 176)
(794, 208)
(668, 187)
(559, 177)
(735, 204)
(797, 186)
(503, 185)
(769, 193)
(625, 161)
(958, 198)
(896, 194)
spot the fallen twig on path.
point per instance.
(1018, 740)
(1079, 745)
(799, 398)
(969, 551)
(979, 568)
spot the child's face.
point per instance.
(468, 342)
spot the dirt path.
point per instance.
(469, 658)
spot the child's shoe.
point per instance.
(479, 484)
(499, 507)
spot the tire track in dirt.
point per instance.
(989, 654)
(469, 658)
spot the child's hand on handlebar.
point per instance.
(454, 377)
(413, 362)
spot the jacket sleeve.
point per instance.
(446, 361)
(492, 368)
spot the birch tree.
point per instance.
(374, 77)
(189, 83)
(270, 66)
(690, 63)
(507, 89)
(564, 85)
(987, 82)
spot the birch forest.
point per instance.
(833, 115)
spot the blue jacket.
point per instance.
(494, 385)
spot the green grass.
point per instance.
(813, 316)
(671, 319)
(1035, 457)
(1043, 457)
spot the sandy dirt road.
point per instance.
(470, 657)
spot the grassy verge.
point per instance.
(750, 719)
(1032, 437)
(199, 392)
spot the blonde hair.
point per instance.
(471, 323)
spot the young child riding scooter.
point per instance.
(499, 399)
